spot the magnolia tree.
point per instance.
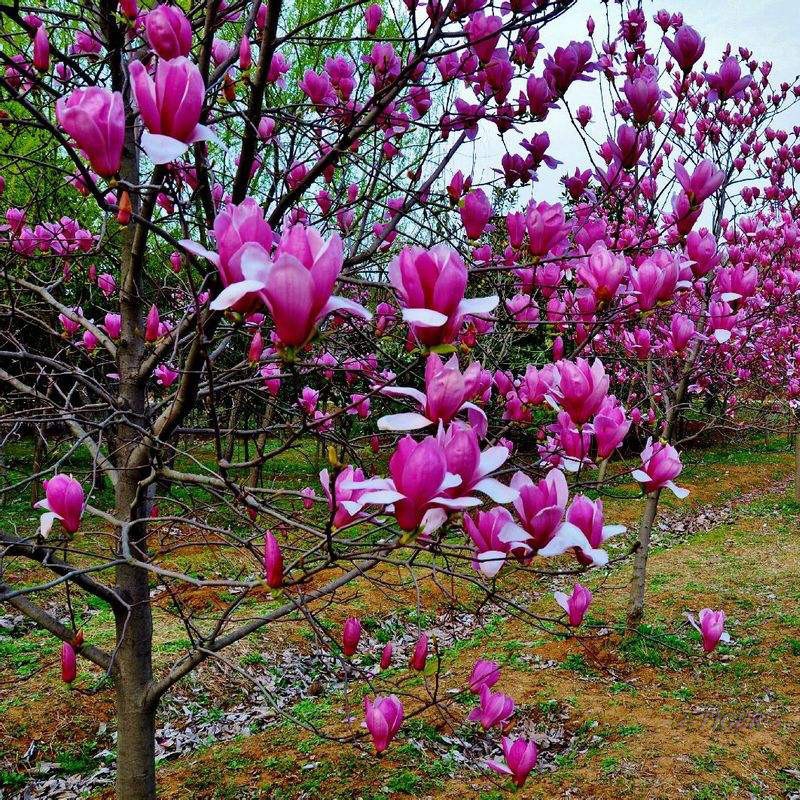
(239, 231)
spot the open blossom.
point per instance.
(166, 375)
(495, 708)
(576, 604)
(661, 464)
(484, 530)
(465, 459)
(236, 226)
(348, 500)
(520, 758)
(702, 183)
(584, 531)
(170, 107)
(446, 394)
(416, 490)
(95, 118)
(64, 501)
(431, 285)
(711, 628)
(384, 716)
(295, 283)
(540, 507)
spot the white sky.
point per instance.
(770, 28)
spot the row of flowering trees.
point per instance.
(266, 245)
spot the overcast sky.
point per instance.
(770, 28)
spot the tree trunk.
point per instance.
(136, 724)
(639, 578)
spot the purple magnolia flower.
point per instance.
(711, 628)
(495, 708)
(660, 465)
(576, 604)
(520, 755)
(384, 716)
(446, 394)
(430, 285)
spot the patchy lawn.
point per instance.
(646, 716)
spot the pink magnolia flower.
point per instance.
(569, 447)
(386, 656)
(295, 283)
(384, 716)
(476, 211)
(89, 341)
(170, 107)
(540, 507)
(41, 49)
(465, 459)
(417, 487)
(702, 183)
(484, 673)
(166, 375)
(520, 755)
(446, 394)
(430, 285)
(107, 284)
(273, 561)
(583, 532)
(419, 656)
(660, 465)
(64, 501)
(95, 118)
(234, 228)
(495, 708)
(711, 628)
(318, 88)
(484, 530)
(588, 516)
(372, 17)
(152, 328)
(611, 426)
(69, 666)
(349, 500)
(308, 495)
(686, 48)
(547, 229)
(580, 389)
(722, 320)
(483, 33)
(112, 325)
(351, 633)
(602, 271)
(728, 83)
(168, 31)
(576, 604)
